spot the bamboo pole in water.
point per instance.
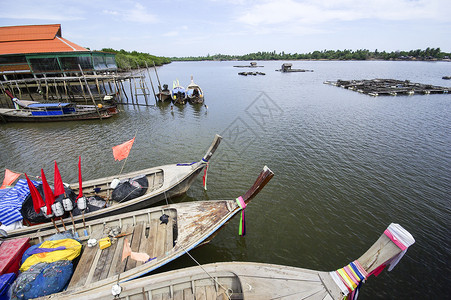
(123, 90)
(151, 84)
(89, 90)
(83, 91)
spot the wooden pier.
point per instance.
(389, 87)
(79, 88)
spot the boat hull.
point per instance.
(12, 115)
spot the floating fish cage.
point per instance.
(389, 87)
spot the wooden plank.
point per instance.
(94, 265)
(104, 264)
(143, 244)
(178, 295)
(201, 293)
(134, 244)
(160, 239)
(84, 264)
(153, 226)
(116, 265)
(165, 296)
(169, 242)
(188, 294)
(210, 292)
(157, 297)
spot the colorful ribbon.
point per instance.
(204, 179)
(349, 277)
(242, 205)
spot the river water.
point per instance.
(346, 165)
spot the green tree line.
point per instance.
(132, 60)
(362, 54)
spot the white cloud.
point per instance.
(49, 12)
(137, 13)
(317, 12)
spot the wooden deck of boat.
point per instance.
(224, 287)
(154, 238)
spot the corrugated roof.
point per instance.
(29, 32)
(35, 39)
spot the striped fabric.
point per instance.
(11, 201)
(349, 277)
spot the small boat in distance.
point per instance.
(194, 93)
(251, 280)
(178, 93)
(144, 240)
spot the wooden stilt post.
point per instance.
(28, 90)
(46, 88)
(56, 89)
(131, 89)
(151, 84)
(123, 90)
(83, 91)
(89, 90)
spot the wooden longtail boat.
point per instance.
(164, 182)
(33, 111)
(194, 93)
(187, 226)
(178, 93)
(245, 280)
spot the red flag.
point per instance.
(35, 196)
(80, 187)
(10, 177)
(48, 194)
(121, 151)
(58, 182)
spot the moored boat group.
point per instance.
(99, 244)
(180, 95)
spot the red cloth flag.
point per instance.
(80, 187)
(58, 182)
(35, 196)
(48, 194)
(121, 151)
(10, 177)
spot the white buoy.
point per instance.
(58, 209)
(114, 183)
(67, 204)
(116, 290)
(44, 211)
(81, 203)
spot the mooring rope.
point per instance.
(229, 296)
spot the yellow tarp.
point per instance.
(71, 251)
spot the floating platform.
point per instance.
(389, 87)
(251, 65)
(286, 68)
(251, 73)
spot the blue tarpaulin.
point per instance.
(11, 201)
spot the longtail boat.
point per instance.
(194, 93)
(248, 280)
(162, 233)
(33, 111)
(163, 182)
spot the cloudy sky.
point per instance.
(197, 28)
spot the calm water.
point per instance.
(346, 165)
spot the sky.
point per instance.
(179, 28)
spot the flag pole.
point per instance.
(123, 165)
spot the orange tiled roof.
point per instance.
(35, 39)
